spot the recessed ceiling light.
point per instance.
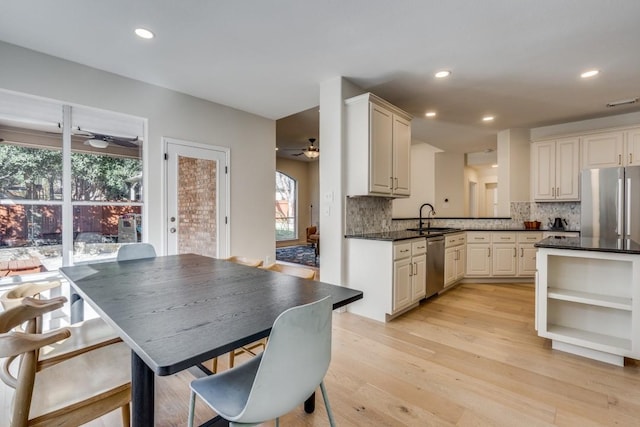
(488, 118)
(442, 74)
(431, 114)
(277, 148)
(589, 73)
(144, 33)
(494, 166)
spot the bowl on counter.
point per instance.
(532, 225)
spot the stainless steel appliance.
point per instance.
(610, 203)
(435, 265)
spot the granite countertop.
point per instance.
(624, 246)
(392, 236)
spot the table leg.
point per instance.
(142, 392)
(310, 404)
(77, 308)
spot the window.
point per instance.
(41, 214)
(286, 207)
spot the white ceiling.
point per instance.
(517, 60)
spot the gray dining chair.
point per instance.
(136, 251)
(280, 378)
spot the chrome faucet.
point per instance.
(432, 212)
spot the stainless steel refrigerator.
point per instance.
(610, 203)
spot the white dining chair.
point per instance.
(280, 378)
(136, 251)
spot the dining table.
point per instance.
(179, 311)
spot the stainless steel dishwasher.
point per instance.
(435, 265)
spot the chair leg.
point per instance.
(278, 422)
(325, 397)
(126, 415)
(232, 358)
(192, 407)
(214, 365)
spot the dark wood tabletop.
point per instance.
(177, 311)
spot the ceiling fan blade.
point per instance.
(299, 154)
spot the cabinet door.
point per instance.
(603, 150)
(449, 266)
(633, 147)
(419, 278)
(461, 262)
(401, 156)
(526, 260)
(479, 260)
(567, 169)
(504, 259)
(401, 283)
(543, 170)
(380, 150)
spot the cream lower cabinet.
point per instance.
(409, 273)
(455, 255)
(392, 275)
(501, 254)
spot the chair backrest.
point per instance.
(294, 363)
(136, 251)
(311, 230)
(305, 273)
(251, 262)
(14, 297)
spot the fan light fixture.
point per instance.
(144, 33)
(312, 152)
(98, 143)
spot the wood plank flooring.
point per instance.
(469, 357)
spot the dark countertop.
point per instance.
(623, 246)
(393, 236)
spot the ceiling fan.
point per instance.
(98, 140)
(311, 152)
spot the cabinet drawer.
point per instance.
(401, 250)
(529, 237)
(503, 237)
(419, 247)
(478, 237)
(454, 239)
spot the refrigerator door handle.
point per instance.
(627, 191)
(620, 213)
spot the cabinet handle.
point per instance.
(515, 254)
(488, 252)
(396, 187)
(415, 264)
(630, 158)
(619, 159)
(521, 252)
(504, 238)
(553, 191)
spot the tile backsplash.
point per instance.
(373, 214)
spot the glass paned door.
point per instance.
(196, 200)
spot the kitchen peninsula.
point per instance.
(588, 297)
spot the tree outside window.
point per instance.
(286, 207)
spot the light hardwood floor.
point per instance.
(469, 357)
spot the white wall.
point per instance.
(422, 181)
(251, 138)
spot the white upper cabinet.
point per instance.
(555, 169)
(378, 148)
(611, 149)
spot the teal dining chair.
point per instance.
(280, 378)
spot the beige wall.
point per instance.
(449, 184)
(422, 181)
(168, 114)
(306, 175)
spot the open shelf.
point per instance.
(609, 301)
(590, 338)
